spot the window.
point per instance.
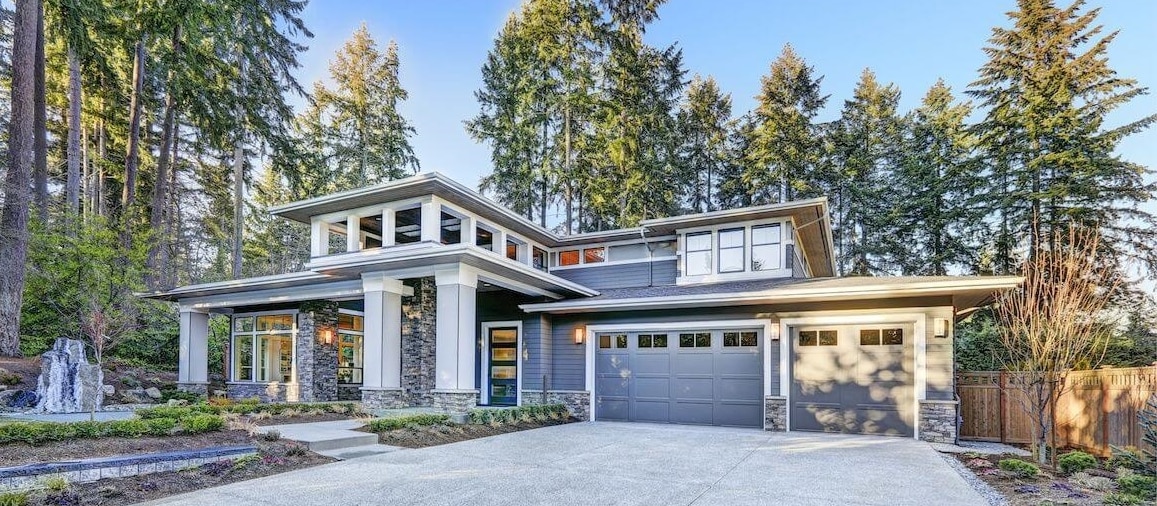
(652, 340)
(612, 340)
(892, 337)
(514, 249)
(408, 225)
(351, 332)
(766, 253)
(262, 348)
(698, 261)
(731, 250)
(695, 340)
(450, 229)
(539, 258)
(818, 338)
(885, 337)
(740, 339)
(568, 257)
(371, 230)
(484, 238)
(594, 255)
(869, 337)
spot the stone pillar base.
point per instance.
(938, 421)
(194, 388)
(577, 401)
(454, 401)
(265, 392)
(383, 398)
(775, 413)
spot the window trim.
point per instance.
(787, 231)
(780, 243)
(743, 232)
(687, 251)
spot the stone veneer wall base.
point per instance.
(266, 392)
(577, 401)
(454, 401)
(775, 413)
(194, 388)
(384, 398)
(938, 421)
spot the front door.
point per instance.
(503, 370)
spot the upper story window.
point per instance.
(484, 238)
(450, 231)
(568, 257)
(766, 247)
(731, 245)
(698, 262)
(539, 259)
(408, 225)
(571, 257)
(594, 255)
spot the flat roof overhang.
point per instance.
(965, 293)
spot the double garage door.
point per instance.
(703, 377)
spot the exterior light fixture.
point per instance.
(940, 325)
(773, 335)
(325, 335)
(579, 334)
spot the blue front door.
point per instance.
(503, 373)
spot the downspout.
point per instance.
(650, 257)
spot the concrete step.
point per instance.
(360, 451)
(321, 436)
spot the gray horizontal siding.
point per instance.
(656, 273)
(938, 360)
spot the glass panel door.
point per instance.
(503, 373)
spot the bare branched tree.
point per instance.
(103, 326)
(1055, 322)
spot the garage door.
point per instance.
(853, 379)
(704, 377)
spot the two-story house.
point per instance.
(421, 292)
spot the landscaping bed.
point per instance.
(16, 454)
(420, 431)
(273, 457)
(1081, 479)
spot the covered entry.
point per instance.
(853, 379)
(704, 377)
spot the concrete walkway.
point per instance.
(624, 463)
(336, 439)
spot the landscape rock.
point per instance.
(6, 397)
(108, 389)
(153, 392)
(132, 396)
(20, 399)
(68, 383)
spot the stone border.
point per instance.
(121, 466)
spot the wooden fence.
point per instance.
(1097, 408)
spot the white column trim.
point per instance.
(432, 220)
(389, 225)
(460, 275)
(319, 237)
(353, 233)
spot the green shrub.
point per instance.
(198, 424)
(1120, 499)
(1139, 485)
(1019, 468)
(9, 379)
(169, 394)
(387, 424)
(271, 435)
(15, 498)
(1075, 462)
(1130, 457)
(55, 483)
(533, 412)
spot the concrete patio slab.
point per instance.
(624, 463)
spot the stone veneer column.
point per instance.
(419, 334)
(455, 388)
(193, 361)
(316, 361)
(938, 421)
(775, 413)
(382, 344)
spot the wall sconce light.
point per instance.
(325, 335)
(579, 334)
(774, 334)
(940, 326)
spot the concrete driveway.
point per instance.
(623, 463)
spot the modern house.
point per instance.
(421, 292)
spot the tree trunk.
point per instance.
(100, 193)
(132, 157)
(569, 176)
(40, 123)
(14, 218)
(159, 201)
(167, 277)
(72, 183)
(238, 204)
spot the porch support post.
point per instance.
(193, 355)
(353, 236)
(432, 220)
(456, 335)
(382, 344)
(389, 224)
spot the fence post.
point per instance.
(1105, 408)
(1002, 382)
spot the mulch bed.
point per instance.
(16, 454)
(433, 435)
(273, 458)
(1046, 488)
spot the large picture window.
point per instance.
(351, 333)
(766, 252)
(698, 262)
(262, 348)
(731, 250)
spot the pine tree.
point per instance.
(936, 183)
(866, 145)
(704, 121)
(785, 148)
(1048, 88)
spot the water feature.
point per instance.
(68, 383)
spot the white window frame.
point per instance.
(362, 333)
(293, 313)
(744, 249)
(711, 243)
(747, 273)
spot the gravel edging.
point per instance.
(986, 491)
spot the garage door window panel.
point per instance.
(737, 339)
(652, 340)
(819, 338)
(695, 340)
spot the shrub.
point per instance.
(169, 394)
(198, 424)
(1076, 461)
(295, 451)
(1138, 485)
(1130, 457)
(271, 435)
(387, 424)
(243, 462)
(55, 483)
(1019, 468)
(1119, 499)
(533, 412)
(15, 498)
(1086, 480)
(9, 379)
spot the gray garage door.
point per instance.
(704, 377)
(854, 379)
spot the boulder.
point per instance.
(6, 397)
(68, 383)
(21, 399)
(153, 393)
(108, 390)
(131, 396)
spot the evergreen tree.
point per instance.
(936, 184)
(1048, 88)
(785, 149)
(866, 146)
(704, 121)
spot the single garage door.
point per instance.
(853, 379)
(704, 377)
